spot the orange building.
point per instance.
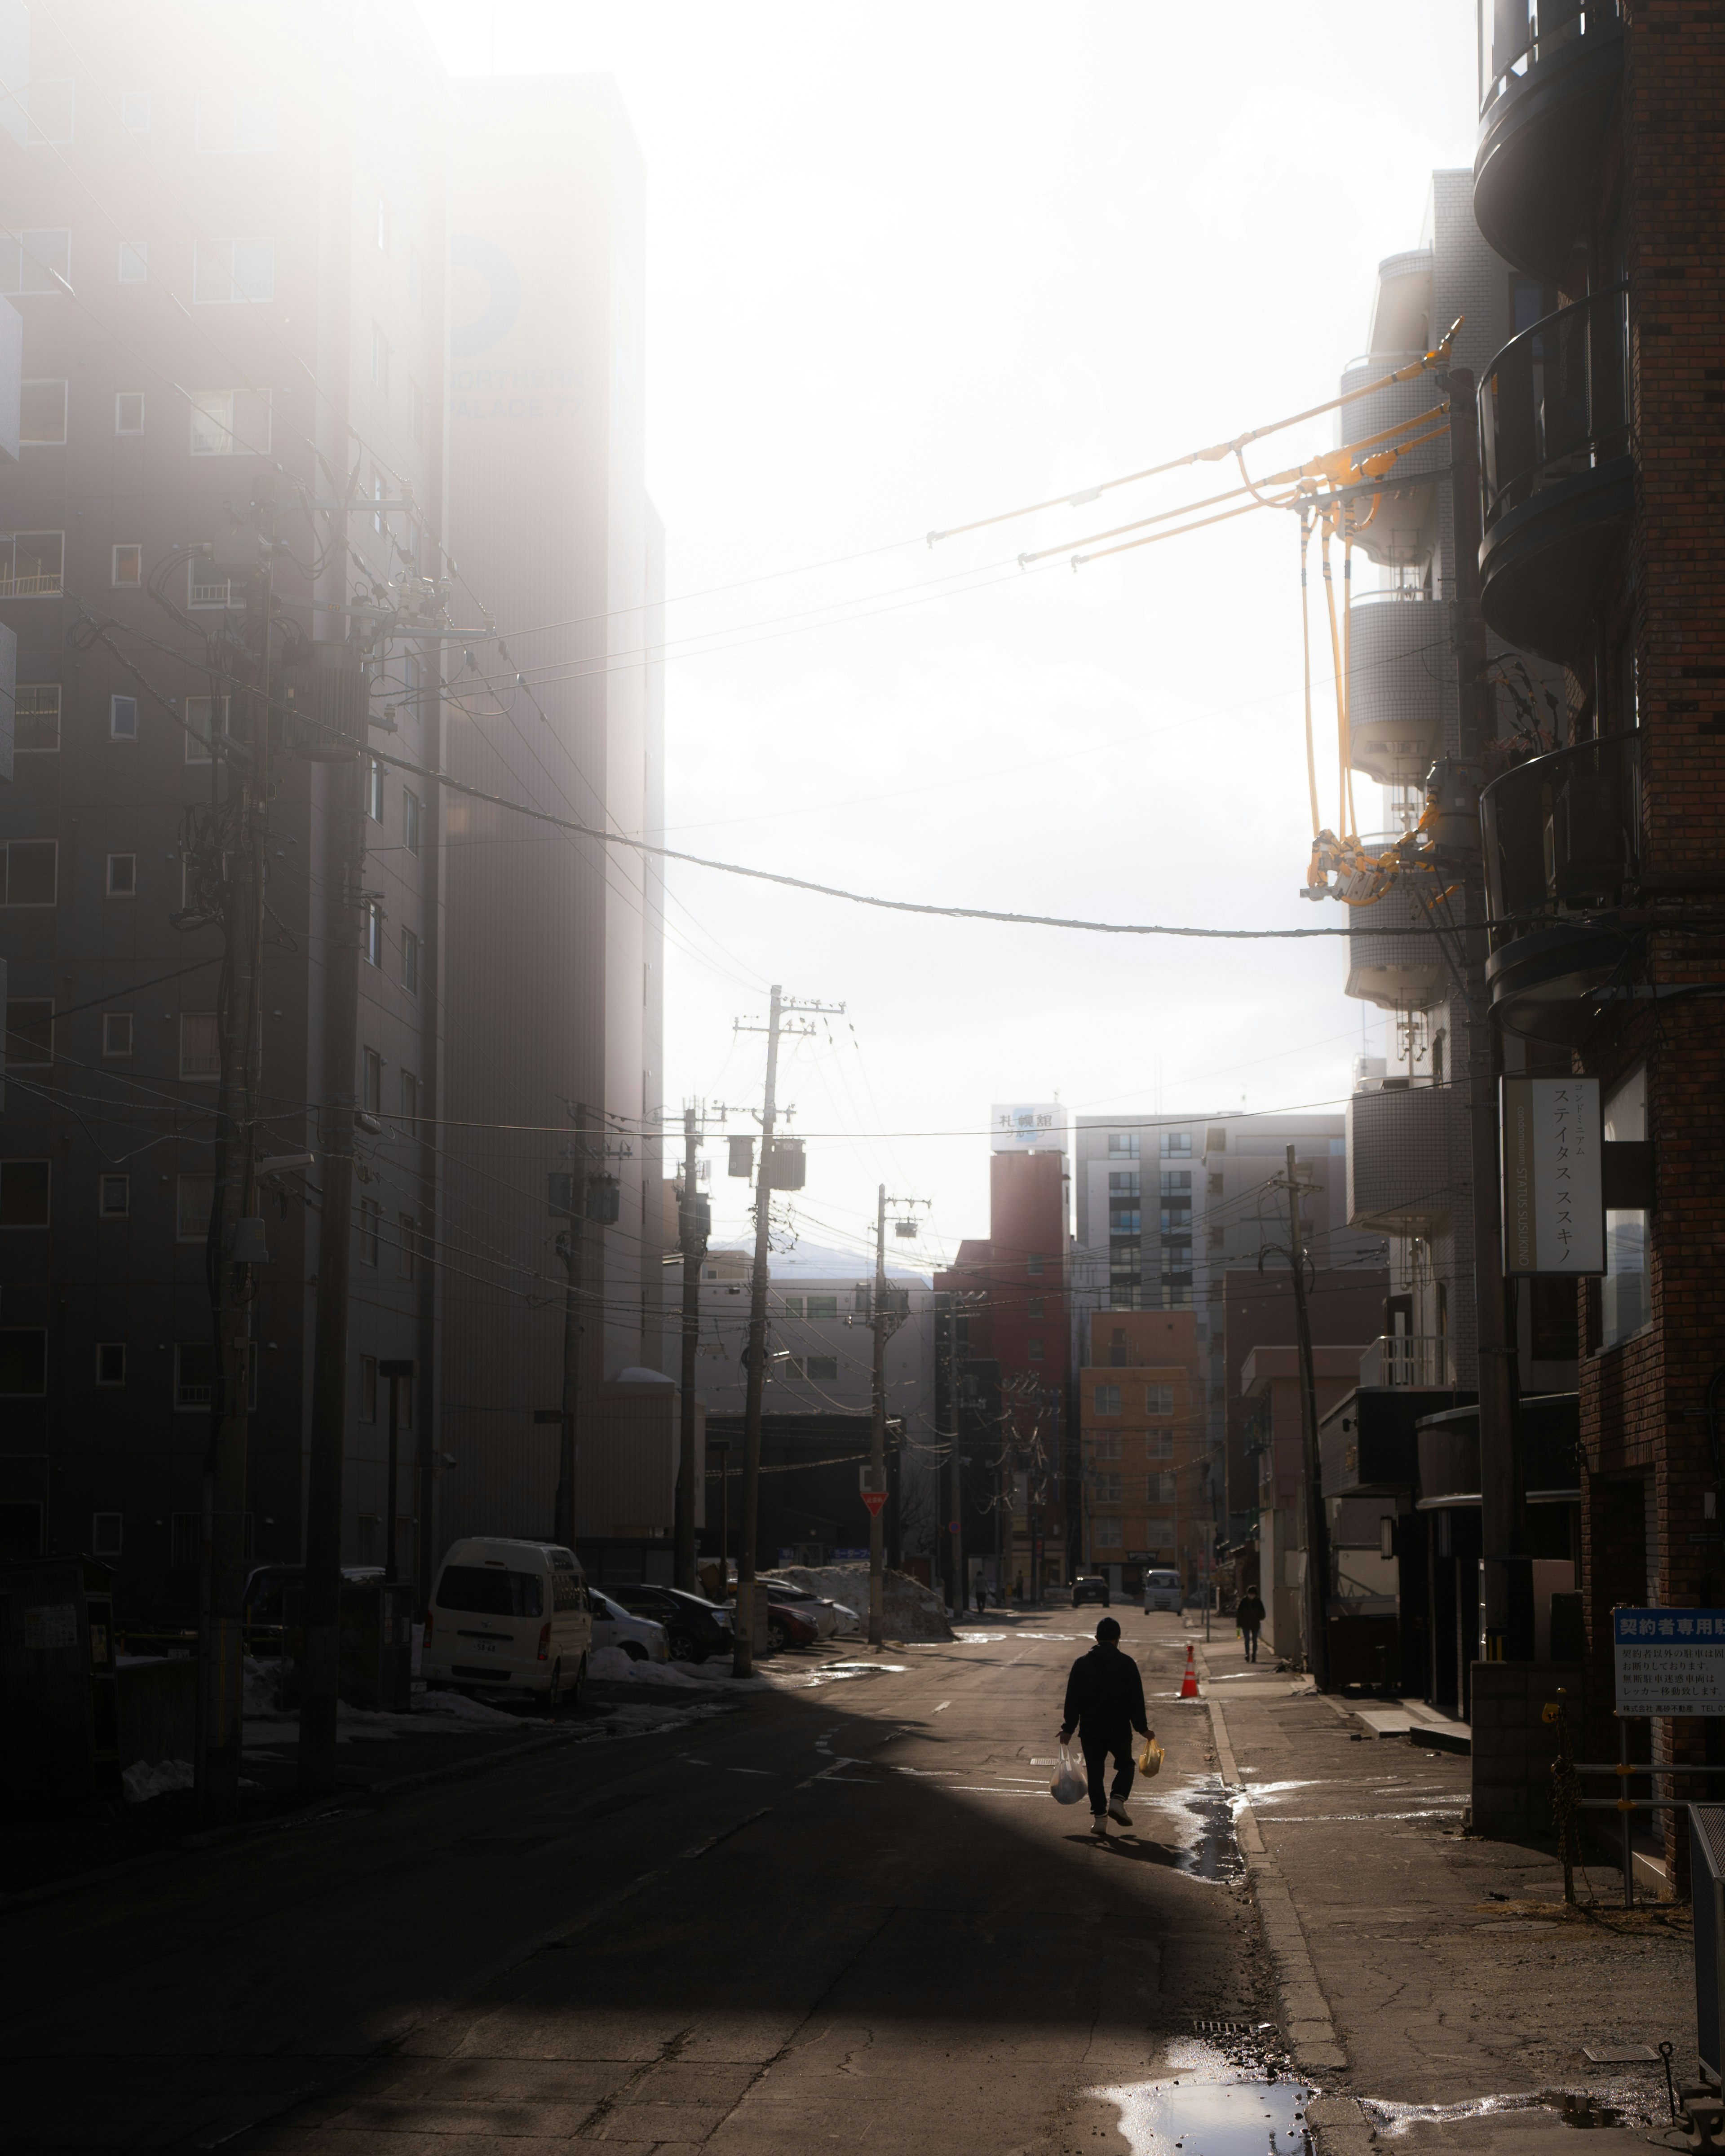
(1142, 1420)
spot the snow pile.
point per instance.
(611, 1665)
(910, 1611)
(141, 1781)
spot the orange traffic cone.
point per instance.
(1188, 1683)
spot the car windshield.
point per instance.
(488, 1591)
(1164, 1579)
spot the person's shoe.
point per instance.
(1099, 1823)
(1117, 1811)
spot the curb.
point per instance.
(1306, 2011)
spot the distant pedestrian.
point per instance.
(1018, 1589)
(981, 1595)
(1249, 1615)
(1105, 1703)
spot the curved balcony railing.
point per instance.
(1555, 402)
(1516, 35)
(1563, 832)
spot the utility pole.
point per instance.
(694, 1217)
(1318, 1525)
(1507, 1616)
(781, 1007)
(877, 1431)
(572, 1248)
(395, 1373)
(229, 858)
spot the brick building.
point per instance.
(1143, 1423)
(1600, 171)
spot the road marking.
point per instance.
(767, 1771)
(942, 1708)
(712, 1841)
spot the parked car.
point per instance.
(1089, 1587)
(789, 1624)
(696, 1628)
(262, 1611)
(642, 1639)
(1161, 1591)
(823, 1614)
(507, 1615)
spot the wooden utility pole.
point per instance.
(572, 1248)
(877, 1431)
(1311, 1480)
(694, 1247)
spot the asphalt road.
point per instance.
(847, 1912)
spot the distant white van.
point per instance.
(509, 1616)
(1161, 1591)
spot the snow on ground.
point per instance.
(141, 1781)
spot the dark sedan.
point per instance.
(1089, 1588)
(694, 1628)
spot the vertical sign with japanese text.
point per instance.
(1553, 1192)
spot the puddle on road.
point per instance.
(1215, 1852)
(1612, 2104)
(1205, 2107)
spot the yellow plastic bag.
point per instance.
(1150, 1758)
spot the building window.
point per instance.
(1159, 1488)
(242, 125)
(1107, 1400)
(29, 1033)
(33, 565)
(1032, 1308)
(1124, 1219)
(1626, 1301)
(194, 1200)
(23, 1361)
(1176, 1219)
(229, 273)
(1105, 1535)
(793, 1304)
(1159, 1534)
(116, 1034)
(417, 396)
(1176, 1145)
(408, 1228)
(134, 261)
(110, 1362)
(129, 412)
(23, 1193)
(371, 1098)
(135, 112)
(230, 422)
(1033, 1265)
(29, 872)
(200, 1046)
(38, 261)
(41, 415)
(1176, 1182)
(410, 821)
(1105, 1487)
(122, 875)
(200, 720)
(36, 719)
(374, 789)
(1032, 1348)
(107, 1533)
(1123, 1183)
(122, 718)
(822, 1306)
(1159, 1400)
(127, 570)
(409, 1100)
(410, 961)
(114, 1196)
(368, 1389)
(1159, 1444)
(370, 1226)
(373, 945)
(194, 1376)
(824, 1369)
(380, 359)
(1123, 1145)
(1105, 1445)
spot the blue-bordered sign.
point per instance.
(1670, 1661)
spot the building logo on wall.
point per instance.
(1027, 1126)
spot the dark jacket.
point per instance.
(1249, 1611)
(1104, 1692)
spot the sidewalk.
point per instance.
(1421, 1966)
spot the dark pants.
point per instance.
(1096, 1745)
(1249, 1633)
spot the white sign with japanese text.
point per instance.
(1670, 1661)
(1553, 1194)
(1040, 1127)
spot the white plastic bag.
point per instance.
(1070, 1783)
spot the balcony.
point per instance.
(1555, 465)
(1407, 1160)
(1387, 965)
(1415, 1361)
(1397, 648)
(1548, 73)
(1399, 527)
(1562, 846)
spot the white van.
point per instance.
(509, 1616)
(1161, 1591)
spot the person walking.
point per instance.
(1105, 1703)
(1249, 1615)
(981, 1595)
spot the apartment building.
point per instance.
(233, 261)
(1597, 178)
(1143, 1420)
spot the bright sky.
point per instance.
(909, 265)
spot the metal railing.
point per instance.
(1563, 830)
(43, 587)
(1516, 35)
(1406, 1358)
(1555, 401)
